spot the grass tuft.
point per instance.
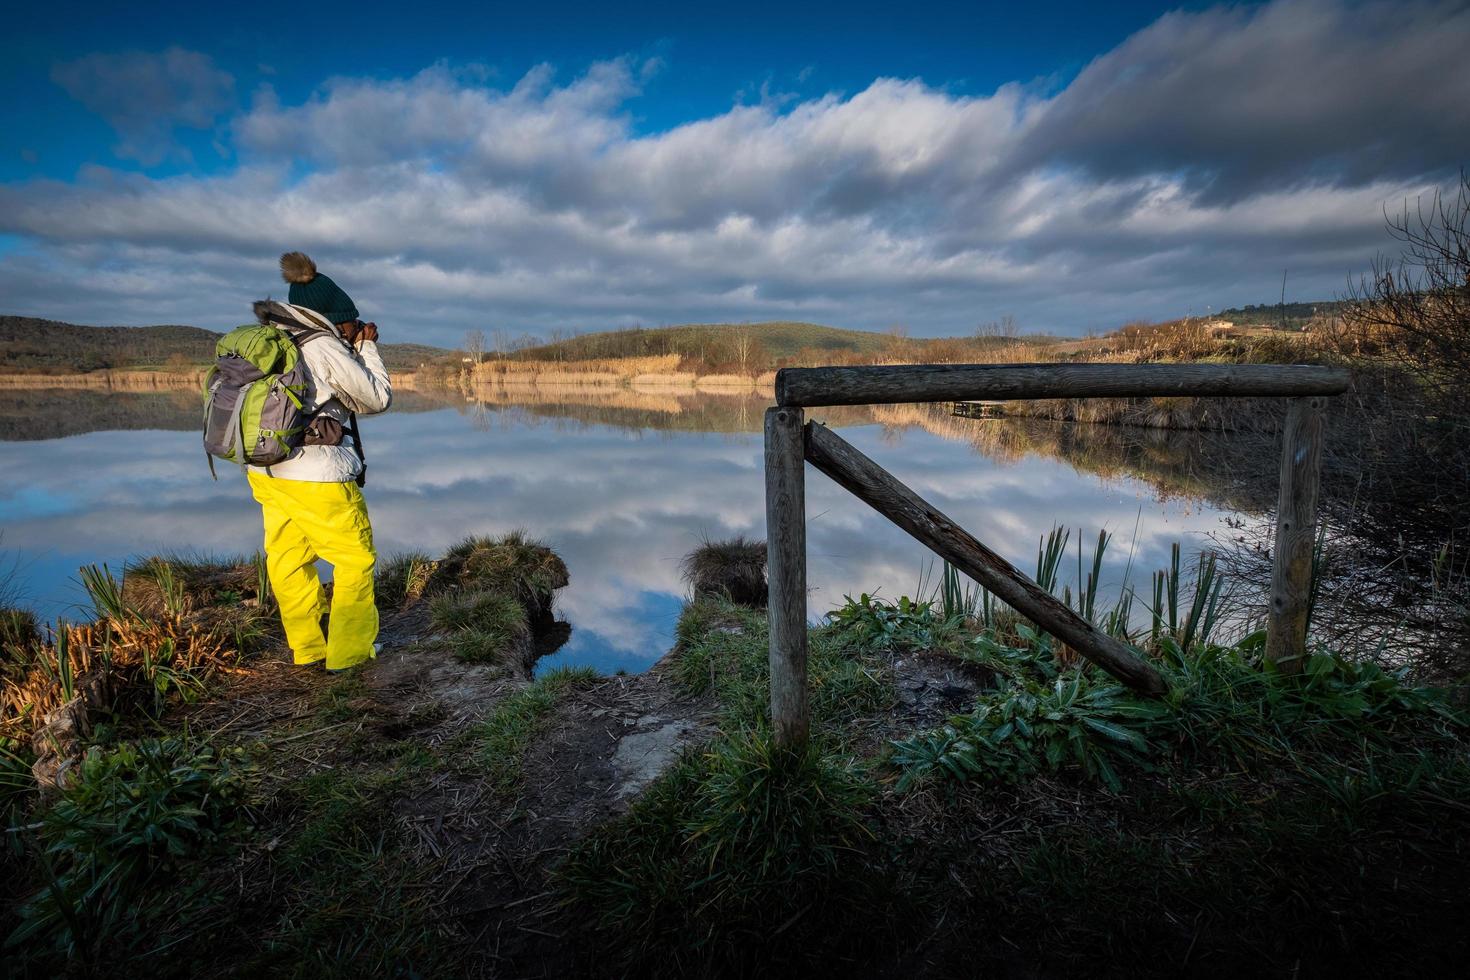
(722, 649)
(734, 568)
(403, 578)
(505, 734)
(740, 857)
(483, 627)
(513, 564)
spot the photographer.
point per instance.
(311, 502)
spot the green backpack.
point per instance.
(253, 411)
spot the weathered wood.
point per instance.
(799, 387)
(786, 570)
(872, 484)
(1296, 534)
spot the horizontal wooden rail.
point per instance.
(835, 457)
(804, 387)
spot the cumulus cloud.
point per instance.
(145, 96)
(1243, 99)
(1185, 168)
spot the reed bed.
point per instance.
(616, 367)
(668, 379)
(662, 401)
(725, 381)
(126, 653)
(122, 380)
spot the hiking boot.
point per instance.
(342, 670)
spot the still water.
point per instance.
(623, 485)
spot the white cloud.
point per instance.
(441, 202)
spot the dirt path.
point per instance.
(489, 849)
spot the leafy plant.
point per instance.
(118, 831)
(879, 625)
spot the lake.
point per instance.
(622, 484)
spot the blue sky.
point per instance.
(711, 57)
(569, 166)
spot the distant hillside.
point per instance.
(1278, 314)
(708, 342)
(30, 345)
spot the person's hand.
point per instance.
(368, 331)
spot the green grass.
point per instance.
(723, 648)
(335, 703)
(122, 829)
(348, 895)
(402, 578)
(18, 629)
(741, 859)
(482, 626)
(514, 564)
(1342, 796)
(504, 735)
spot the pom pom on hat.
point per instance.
(297, 267)
(314, 290)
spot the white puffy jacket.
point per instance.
(340, 380)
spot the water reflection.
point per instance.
(621, 484)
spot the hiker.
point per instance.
(312, 500)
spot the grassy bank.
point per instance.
(974, 799)
(1247, 822)
(174, 788)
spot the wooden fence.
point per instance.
(791, 442)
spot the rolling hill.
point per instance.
(31, 345)
(700, 341)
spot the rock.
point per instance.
(641, 757)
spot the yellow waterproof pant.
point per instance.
(306, 521)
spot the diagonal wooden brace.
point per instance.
(872, 484)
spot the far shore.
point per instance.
(568, 377)
(127, 379)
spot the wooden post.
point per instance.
(786, 569)
(1296, 535)
(805, 387)
(872, 484)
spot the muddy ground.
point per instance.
(487, 853)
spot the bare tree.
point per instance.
(1004, 328)
(1416, 309)
(743, 345)
(474, 345)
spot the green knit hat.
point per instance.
(315, 291)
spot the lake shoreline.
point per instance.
(631, 813)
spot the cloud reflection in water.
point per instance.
(621, 497)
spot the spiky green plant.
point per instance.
(1049, 557)
(106, 593)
